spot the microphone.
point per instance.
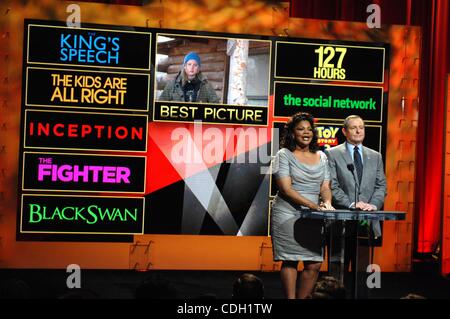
(351, 168)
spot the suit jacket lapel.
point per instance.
(366, 164)
(348, 159)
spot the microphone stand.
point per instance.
(351, 168)
(354, 255)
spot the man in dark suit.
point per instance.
(353, 165)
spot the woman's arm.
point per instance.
(325, 194)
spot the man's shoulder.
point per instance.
(370, 151)
(336, 149)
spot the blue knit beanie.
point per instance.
(192, 56)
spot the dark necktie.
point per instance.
(358, 163)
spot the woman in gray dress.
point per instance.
(303, 180)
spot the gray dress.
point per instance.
(295, 238)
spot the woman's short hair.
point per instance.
(288, 140)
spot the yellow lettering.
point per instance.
(164, 111)
(56, 95)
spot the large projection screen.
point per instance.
(92, 97)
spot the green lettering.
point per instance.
(117, 213)
(56, 212)
(64, 213)
(78, 215)
(93, 214)
(105, 213)
(288, 100)
(35, 210)
(132, 215)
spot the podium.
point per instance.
(339, 224)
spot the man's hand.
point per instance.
(326, 206)
(365, 206)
